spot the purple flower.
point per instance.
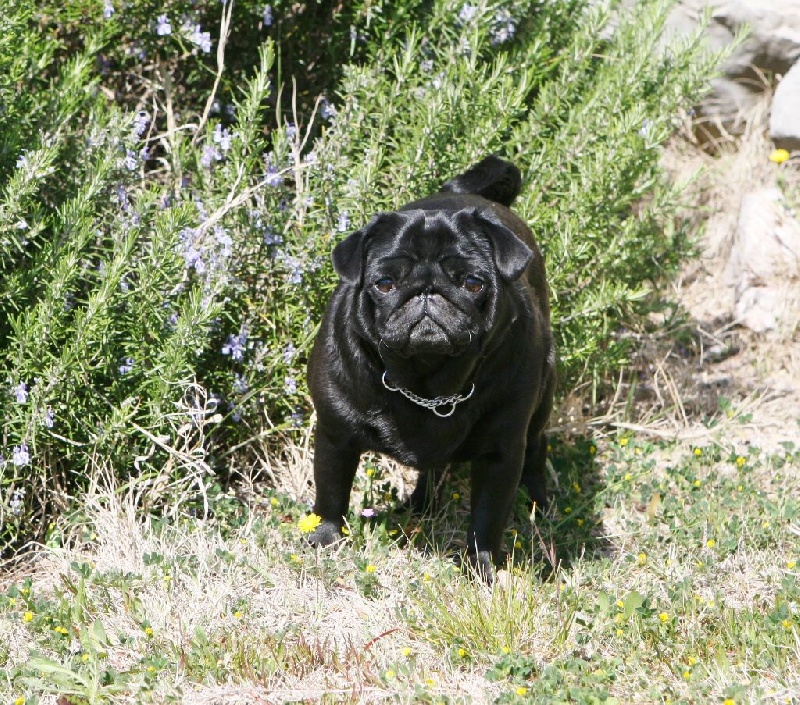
(222, 137)
(122, 198)
(467, 13)
(344, 222)
(645, 129)
(21, 393)
(271, 237)
(289, 353)
(130, 160)
(272, 176)
(240, 385)
(201, 39)
(21, 455)
(193, 258)
(140, 122)
(297, 418)
(291, 130)
(22, 161)
(49, 417)
(108, 10)
(235, 345)
(17, 499)
(126, 366)
(267, 16)
(426, 65)
(368, 512)
(290, 385)
(326, 109)
(210, 155)
(163, 27)
(223, 239)
(504, 27)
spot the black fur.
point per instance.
(446, 293)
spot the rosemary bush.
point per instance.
(169, 197)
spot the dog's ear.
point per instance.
(511, 255)
(348, 255)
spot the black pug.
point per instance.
(436, 348)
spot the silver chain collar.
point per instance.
(452, 401)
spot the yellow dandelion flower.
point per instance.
(779, 156)
(462, 652)
(151, 669)
(238, 614)
(740, 489)
(506, 650)
(698, 452)
(390, 674)
(370, 568)
(294, 558)
(406, 651)
(697, 483)
(370, 472)
(392, 532)
(663, 617)
(148, 631)
(426, 577)
(641, 559)
(567, 510)
(577, 487)
(786, 623)
(456, 496)
(687, 675)
(12, 601)
(628, 477)
(740, 460)
(620, 632)
(345, 531)
(274, 501)
(25, 591)
(521, 690)
(729, 701)
(765, 525)
(549, 448)
(27, 617)
(592, 449)
(308, 523)
(620, 604)
(791, 564)
(517, 544)
(580, 522)
(711, 543)
(60, 630)
(19, 701)
(692, 660)
(623, 442)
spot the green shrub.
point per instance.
(166, 261)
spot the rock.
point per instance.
(784, 120)
(771, 47)
(764, 262)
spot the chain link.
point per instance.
(432, 404)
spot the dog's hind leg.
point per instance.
(427, 494)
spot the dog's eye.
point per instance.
(472, 284)
(385, 285)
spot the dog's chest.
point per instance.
(420, 438)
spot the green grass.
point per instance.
(665, 573)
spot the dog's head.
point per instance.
(431, 282)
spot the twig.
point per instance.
(224, 28)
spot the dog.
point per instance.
(436, 348)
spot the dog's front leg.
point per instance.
(495, 477)
(336, 458)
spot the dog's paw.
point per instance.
(325, 534)
(480, 565)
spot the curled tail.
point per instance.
(493, 178)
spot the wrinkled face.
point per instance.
(429, 281)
